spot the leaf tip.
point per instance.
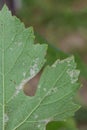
(5, 7)
(5, 10)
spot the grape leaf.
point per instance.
(20, 61)
(53, 99)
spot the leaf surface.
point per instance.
(20, 61)
(54, 97)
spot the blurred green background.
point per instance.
(62, 24)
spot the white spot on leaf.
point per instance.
(34, 68)
(73, 75)
(67, 60)
(39, 86)
(36, 116)
(19, 43)
(38, 125)
(49, 93)
(18, 89)
(24, 74)
(55, 64)
(44, 89)
(33, 71)
(46, 121)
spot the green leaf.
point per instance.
(53, 99)
(20, 61)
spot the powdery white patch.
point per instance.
(18, 89)
(34, 68)
(49, 93)
(36, 116)
(19, 43)
(39, 86)
(24, 74)
(55, 64)
(6, 118)
(68, 60)
(46, 121)
(33, 71)
(38, 125)
(73, 75)
(69, 64)
(44, 89)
